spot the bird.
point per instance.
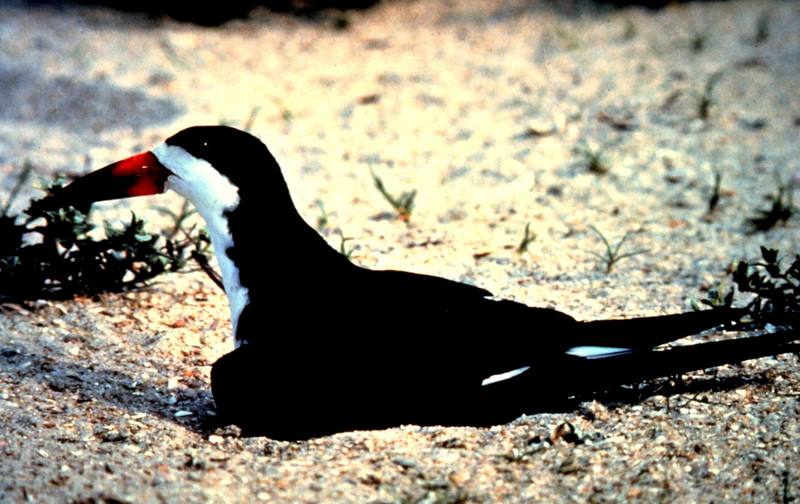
(322, 345)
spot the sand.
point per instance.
(486, 109)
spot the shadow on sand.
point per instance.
(89, 384)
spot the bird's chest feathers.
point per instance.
(214, 196)
(238, 295)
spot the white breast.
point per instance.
(212, 194)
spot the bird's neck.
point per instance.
(269, 255)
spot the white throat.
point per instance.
(212, 194)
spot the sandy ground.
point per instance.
(479, 106)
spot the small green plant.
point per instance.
(780, 211)
(172, 54)
(22, 179)
(347, 252)
(786, 492)
(718, 297)
(613, 253)
(198, 238)
(774, 290)
(593, 157)
(341, 22)
(698, 42)
(630, 31)
(706, 100)
(322, 219)
(527, 238)
(777, 289)
(403, 204)
(178, 219)
(762, 28)
(200, 253)
(247, 125)
(713, 200)
(568, 38)
(251, 118)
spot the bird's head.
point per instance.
(209, 165)
(237, 187)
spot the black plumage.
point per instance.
(331, 346)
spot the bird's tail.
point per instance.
(574, 376)
(645, 365)
(603, 338)
(555, 384)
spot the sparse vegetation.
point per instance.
(247, 124)
(403, 204)
(251, 118)
(630, 31)
(347, 252)
(613, 253)
(569, 39)
(698, 42)
(22, 179)
(713, 200)
(718, 297)
(593, 157)
(200, 254)
(178, 219)
(762, 28)
(775, 290)
(322, 219)
(527, 238)
(780, 211)
(49, 253)
(706, 100)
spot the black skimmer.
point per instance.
(323, 345)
